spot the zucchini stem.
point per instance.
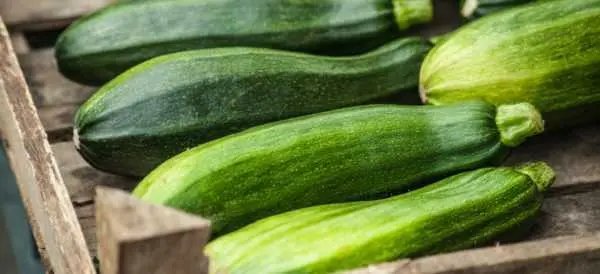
(517, 122)
(540, 173)
(412, 12)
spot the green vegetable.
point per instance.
(343, 155)
(462, 211)
(440, 38)
(99, 47)
(174, 102)
(478, 8)
(545, 53)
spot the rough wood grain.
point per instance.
(48, 205)
(574, 154)
(142, 238)
(47, 14)
(19, 42)
(81, 181)
(48, 87)
(58, 120)
(572, 214)
(570, 254)
(56, 97)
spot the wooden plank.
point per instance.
(56, 97)
(47, 85)
(141, 238)
(574, 154)
(50, 211)
(19, 42)
(572, 214)
(81, 181)
(58, 120)
(47, 14)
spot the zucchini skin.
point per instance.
(342, 155)
(99, 47)
(473, 9)
(462, 211)
(174, 102)
(545, 53)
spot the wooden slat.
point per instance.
(19, 42)
(141, 238)
(571, 214)
(48, 87)
(81, 181)
(56, 97)
(58, 119)
(47, 14)
(49, 208)
(574, 154)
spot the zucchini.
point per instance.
(462, 211)
(99, 47)
(166, 105)
(342, 155)
(474, 9)
(545, 53)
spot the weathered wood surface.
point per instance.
(19, 42)
(46, 14)
(81, 181)
(142, 238)
(574, 154)
(50, 211)
(48, 87)
(569, 254)
(56, 98)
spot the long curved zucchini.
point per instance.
(171, 103)
(545, 53)
(342, 155)
(462, 211)
(99, 47)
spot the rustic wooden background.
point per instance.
(572, 207)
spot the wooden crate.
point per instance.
(67, 209)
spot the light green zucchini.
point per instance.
(545, 53)
(343, 155)
(466, 210)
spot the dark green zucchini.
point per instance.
(99, 47)
(171, 103)
(545, 53)
(342, 155)
(462, 211)
(474, 9)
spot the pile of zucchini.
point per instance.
(295, 125)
